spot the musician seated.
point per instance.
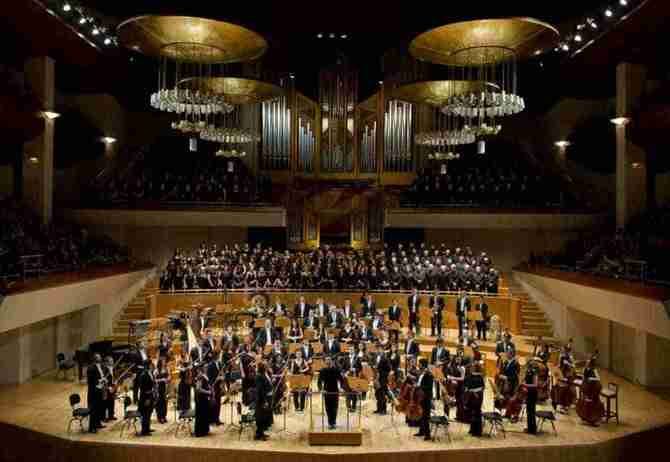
(229, 337)
(348, 333)
(348, 310)
(311, 321)
(332, 346)
(306, 350)
(320, 308)
(301, 309)
(295, 333)
(378, 322)
(365, 334)
(278, 309)
(267, 335)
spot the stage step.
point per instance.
(534, 321)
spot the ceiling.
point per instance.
(291, 29)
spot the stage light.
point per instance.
(609, 13)
(636, 165)
(291, 76)
(331, 35)
(538, 52)
(50, 115)
(620, 121)
(67, 7)
(33, 159)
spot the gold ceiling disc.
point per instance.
(235, 90)
(525, 36)
(191, 39)
(435, 92)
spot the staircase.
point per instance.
(533, 320)
(136, 310)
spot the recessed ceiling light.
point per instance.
(95, 31)
(67, 7)
(578, 38)
(609, 13)
(108, 139)
(331, 35)
(565, 47)
(82, 20)
(33, 159)
(623, 2)
(343, 36)
(620, 121)
(319, 35)
(538, 52)
(108, 41)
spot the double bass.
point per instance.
(409, 400)
(589, 407)
(514, 404)
(562, 391)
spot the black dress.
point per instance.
(474, 391)
(202, 407)
(183, 391)
(161, 403)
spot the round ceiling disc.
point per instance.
(435, 92)
(235, 90)
(447, 44)
(191, 39)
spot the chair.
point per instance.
(79, 414)
(549, 416)
(130, 416)
(247, 420)
(64, 365)
(495, 421)
(439, 421)
(611, 393)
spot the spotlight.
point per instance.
(538, 52)
(82, 20)
(565, 47)
(50, 115)
(620, 121)
(578, 38)
(623, 2)
(67, 7)
(291, 75)
(33, 160)
(381, 82)
(95, 31)
(108, 41)
(343, 36)
(609, 13)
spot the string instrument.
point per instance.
(543, 381)
(562, 391)
(471, 400)
(409, 400)
(589, 407)
(113, 387)
(514, 404)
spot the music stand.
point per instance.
(259, 323)
(309, 334)
(282, 322)
(359, 386)
(293, 347)
(317, 365)
(317, 348)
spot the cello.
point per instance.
(589, 407)
(514, 404)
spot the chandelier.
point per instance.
(486, 54)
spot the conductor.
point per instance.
(330, 381)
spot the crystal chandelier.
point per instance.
(229, 131)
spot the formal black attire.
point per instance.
(202, 406)
(147, 400)
(161, 379)
(331, 348)
(213, 373)
(531, 402)
(462, 308)
(330, 379)
(436, 304)
(94, 376)
(264, 396)
(425, 383)
(483, 308)
(300, 395)
(184, 390)
(474, 390)
(413, 304)
(381, 393)
(108, 406)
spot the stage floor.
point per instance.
(42, 406)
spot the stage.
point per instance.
(34, 417)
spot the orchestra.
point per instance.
(330, 346)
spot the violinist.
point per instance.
(278, 309)
(306, 350)
(332, 346)
(365, 334)
(474, 391)
(295, 333)
(436, 304)
(530, 382)
(203, 393)
(456, 384)
(215, 378)
(348, 333)
(185, 383)
(311, 321)
(164, 346)
(299, 367)
(425, 384)
(161, 379)
(383, 368)
(394, 358)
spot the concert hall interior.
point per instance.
(297, 230)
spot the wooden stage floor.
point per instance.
(42, 406)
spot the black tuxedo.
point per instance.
(301, 314)
(462, 308)
(436, 304)
(383, 371)
(213, 371)
(329, 350)
(334, 319)
(481, 325)
(412, 348)
(311, 323)
(94, 396)
(262, 337)
(413, 305)
(264, 404)
(147, 400)
(425, 382)
(442, 357)
(369, 308)
(395, 313)
(329, 380)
